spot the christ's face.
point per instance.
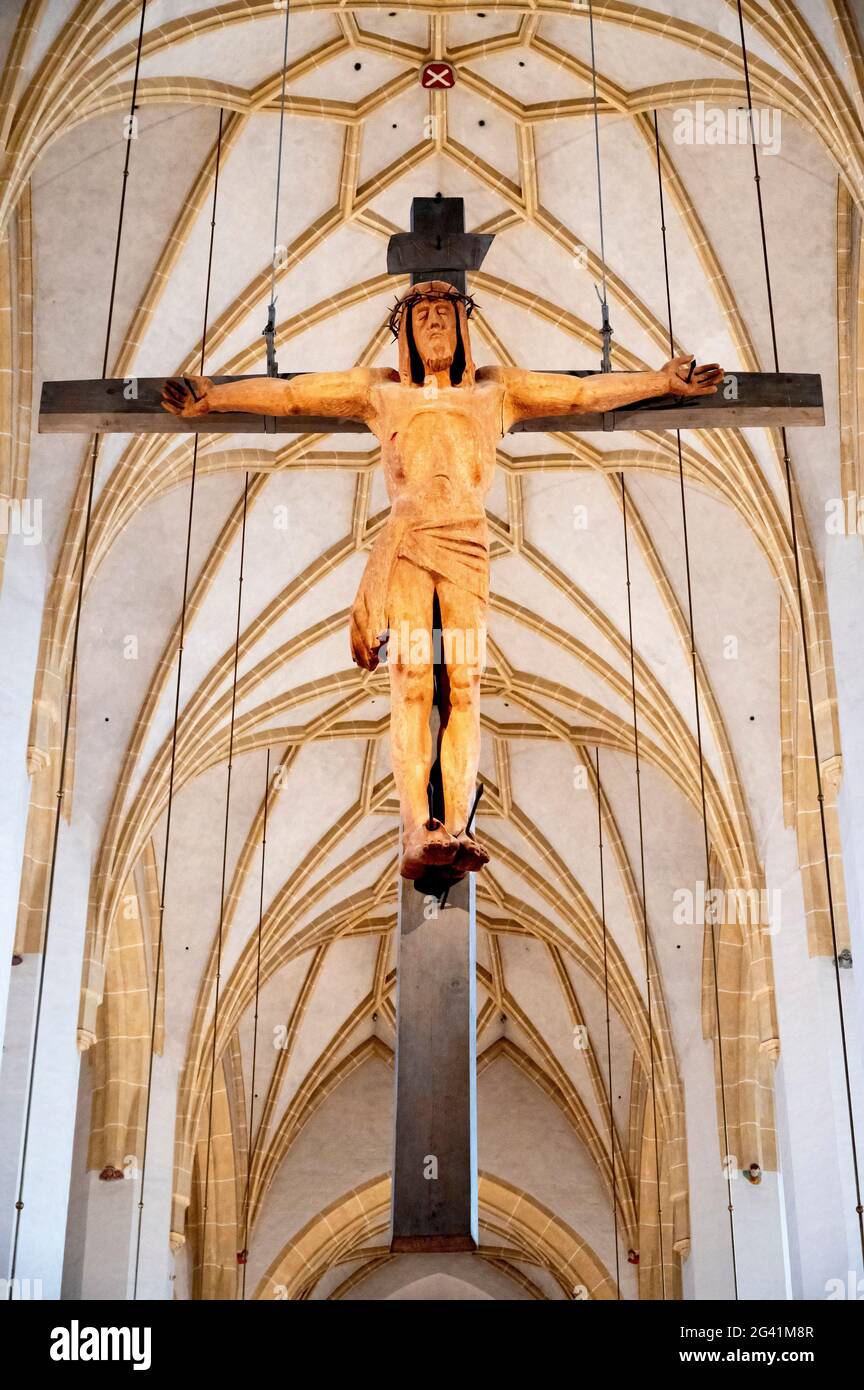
(433, 322)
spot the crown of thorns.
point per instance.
(402, 305)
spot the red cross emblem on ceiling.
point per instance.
(438, 75)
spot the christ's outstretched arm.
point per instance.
(534, 395)
(341, 394)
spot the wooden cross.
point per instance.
(434, 1204)
(436, 248)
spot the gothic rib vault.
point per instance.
(514, 138)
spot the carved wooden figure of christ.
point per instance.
(439, 422)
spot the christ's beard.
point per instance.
(433, 365)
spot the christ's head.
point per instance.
(430, 323)
(433, 325)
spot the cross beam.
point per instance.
(132, 406)
(436, 248)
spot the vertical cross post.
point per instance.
(435, 1152)
(434, 1202)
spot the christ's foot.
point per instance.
(428, 847)
(470, 855)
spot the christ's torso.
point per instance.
(438, 446)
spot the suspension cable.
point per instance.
(269, 334)
(645, 936)
(250, 1147)
(790, 492)
(608, 1021)
(73, 667)
(698, 712)
(224, 871)
(172, 767)
(606, 329)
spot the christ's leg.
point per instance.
(409, 658)
(463, 621)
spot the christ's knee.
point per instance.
(412, 684)
(464, 691)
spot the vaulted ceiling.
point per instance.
(305, 732)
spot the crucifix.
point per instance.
(422, 607)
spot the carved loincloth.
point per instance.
(457, 550)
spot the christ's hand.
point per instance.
(366, 643)
(684, 377)
(187, 396)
